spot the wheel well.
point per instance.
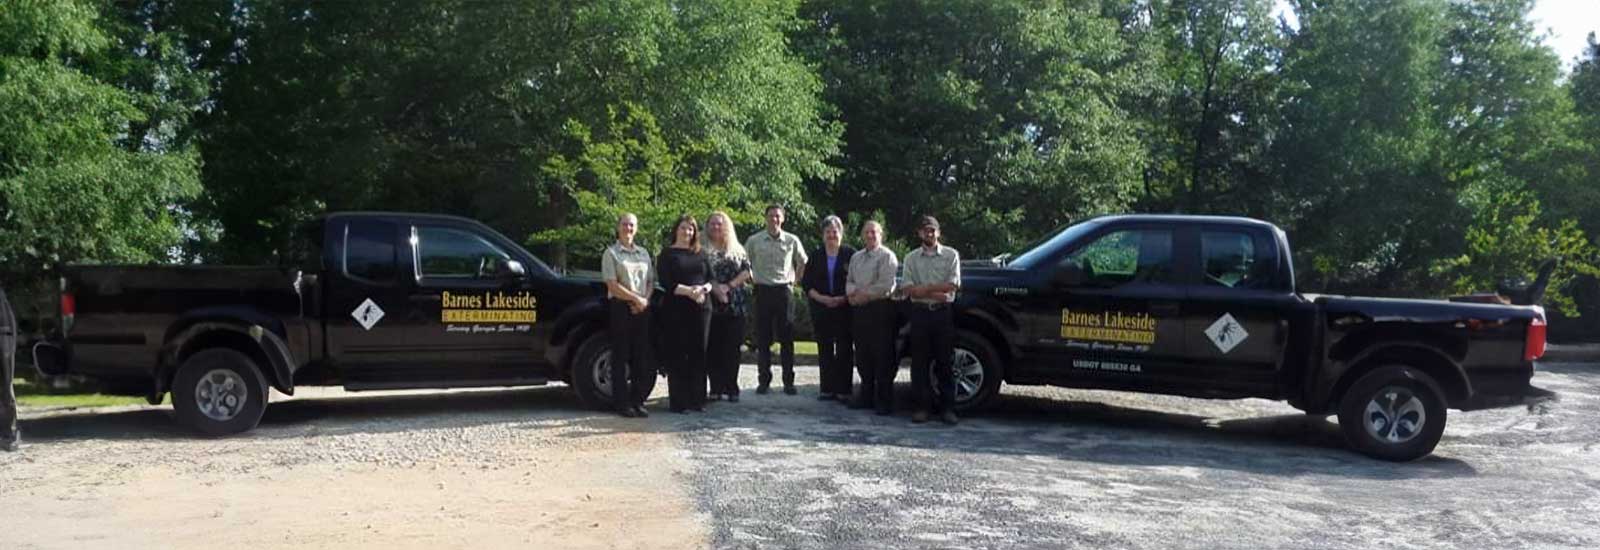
(1442, 370)
(574, 344)
(996, 340)
(220, 339)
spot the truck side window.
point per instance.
(369, 251)
(1230, 261)
(443, 252)
(1127, 256)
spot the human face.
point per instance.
(774, 220)
(684, 234)
(627, 227)
(831, 236)
(871, 235)
(717, 230)
(930, 235)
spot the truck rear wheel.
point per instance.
(591, 373)
(1394, 413)
(219, 391)
(977, 369)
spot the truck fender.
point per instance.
(571, 326)
(1451, 378)
(268, 345)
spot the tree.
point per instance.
(1006, 117)
(91, 169)
(459, 106)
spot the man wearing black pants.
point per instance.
(775, 257)
(932, 277)
(10, 436)
(869, 283)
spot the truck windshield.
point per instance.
(1047, 245)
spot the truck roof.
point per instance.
(1184, 218)
(396, 215)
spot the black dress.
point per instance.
(686, 325)
(831, 325)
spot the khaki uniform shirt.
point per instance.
(941, 266)
(872, 272)
(630, 267)
(775, 260)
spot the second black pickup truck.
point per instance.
(1207, 307)
(368, 301)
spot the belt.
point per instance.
(784, 285)
(930, 306)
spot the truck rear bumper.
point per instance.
(1528, 395)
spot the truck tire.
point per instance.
(977, 369)
(219, 391)
(1394, 413)
(591, 373)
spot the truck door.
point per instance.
(475, 317)
(1236, 311)
(1110, 315)
(364, 302)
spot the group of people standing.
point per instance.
(714, 286)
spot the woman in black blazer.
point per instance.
(823, 283)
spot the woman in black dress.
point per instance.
(823, 283)
(685, 273)
(730, 297)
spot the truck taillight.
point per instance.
(69, 309)
(1536, 336)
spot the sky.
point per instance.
(1570, 22)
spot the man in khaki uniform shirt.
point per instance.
(776, 257)
(932, 277)
(10, 437)
(629, 276)
(868, 286)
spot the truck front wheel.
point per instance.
(591, 373)
(219, 391)
(1394, 413)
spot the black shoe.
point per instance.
(714, 397)
(681, 411)
(949, 417)
(733, 398)
(826, 397)
(859, 404)
(640, 412)
(762, 389)
(885, 412)
(698, 409)
(628, 413)
(919, 417)
(789, 390)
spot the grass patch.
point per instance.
(33, 395)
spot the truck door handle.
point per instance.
(1164, 308)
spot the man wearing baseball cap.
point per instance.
(932, 277)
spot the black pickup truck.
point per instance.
(369, 301)
(1206, 307)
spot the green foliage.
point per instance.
(1503, 241)
(628, 166)
(75, 186)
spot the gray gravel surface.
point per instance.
(1044, 468)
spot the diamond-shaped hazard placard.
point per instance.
(1226, 333)
(367, 314)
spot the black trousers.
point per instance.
(687, 326)
(835, 347)
(773, 315)
(873, 327)
(8, 370)
(727, 333)
(630, 371)
(933, 335)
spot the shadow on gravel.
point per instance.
(1018, 425)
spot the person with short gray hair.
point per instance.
(824, 285)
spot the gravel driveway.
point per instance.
(1047, 468)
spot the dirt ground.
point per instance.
(513, 469)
